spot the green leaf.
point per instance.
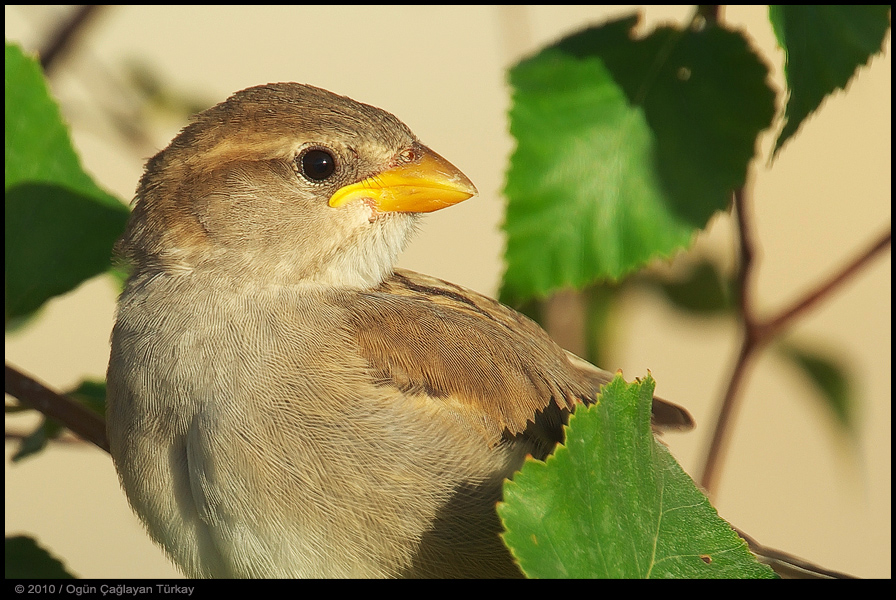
(829, 379)
(92, 394)
(38, 439)
(701, 290)
(614, 503)
(60, 226)
(25, 559)
(624, 147)
(824, 46)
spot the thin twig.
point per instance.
(81, 420)
(65, 35)
(757, 333)
(710, 12)
(781, 322)
(724, 420)
(725, 417)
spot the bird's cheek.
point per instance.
(366, 209)
(360, 211)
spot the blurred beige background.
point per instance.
(789, 480)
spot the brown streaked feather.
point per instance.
(417, 332)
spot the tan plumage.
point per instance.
(282, 402)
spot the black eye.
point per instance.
(318, 164)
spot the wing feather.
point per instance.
(486, 361)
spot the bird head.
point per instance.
(284, 184)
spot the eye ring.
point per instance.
(316, 164)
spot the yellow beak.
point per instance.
(424, 185)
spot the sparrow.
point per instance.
(282, 400)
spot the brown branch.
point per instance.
(710, 12)
(65, 35)
(79, 419)
(725, 417)
(720, 433)
(757, 333)
(782, 321)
